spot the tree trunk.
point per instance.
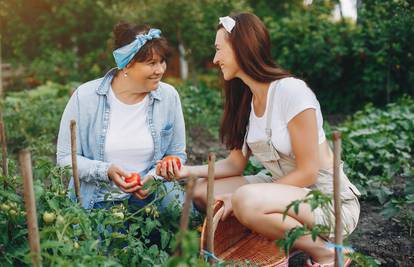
(358, 9)
(183, 62)
(340, 9)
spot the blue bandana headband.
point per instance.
(125, 54)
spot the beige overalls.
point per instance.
(280, 165)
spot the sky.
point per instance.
(348, 8)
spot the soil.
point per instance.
(388, 241)
(385, 240)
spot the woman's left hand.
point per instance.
(228, 206)
(140, 193)
(171, 170)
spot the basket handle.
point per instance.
(218, 211)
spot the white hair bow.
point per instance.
(228, 23)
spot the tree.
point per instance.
(189, 25)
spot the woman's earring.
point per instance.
(125, 74)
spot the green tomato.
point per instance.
(147, 210)
(49, 217)
(119, 215)
(5, 207)
(13, 204)
(12, 212)
(76, 245)
(60, 220)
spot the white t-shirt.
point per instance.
(129, 143)
(292, 96)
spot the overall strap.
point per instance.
(269, 113)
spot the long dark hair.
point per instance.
(251, 43)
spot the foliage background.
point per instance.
(361, 71)
(346, 63)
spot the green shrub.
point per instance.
(32, 118)
(378, 150)
(348, 64)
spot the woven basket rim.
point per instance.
(217, 211)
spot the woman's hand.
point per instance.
(228, 207)
(170, 170)
(117, 174)
(142, 194)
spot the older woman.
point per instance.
(126, 121)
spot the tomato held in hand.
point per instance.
(134, 177)
(172, 158)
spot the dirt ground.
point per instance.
(385, 240)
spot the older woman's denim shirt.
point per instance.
(89, 107)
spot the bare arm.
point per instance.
(303, 133)
(231, 166)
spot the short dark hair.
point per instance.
(124, 33)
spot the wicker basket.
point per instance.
(234, 242)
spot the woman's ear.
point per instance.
(130, 64)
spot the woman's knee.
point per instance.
(246, 204)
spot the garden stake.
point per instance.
(3, 150)
(74, 160)
(29, 200)
(210, 205)
(186, 214)
(2, 133)
(337, 198)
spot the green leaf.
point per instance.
(165, 238)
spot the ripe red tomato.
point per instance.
(172, 158)
(134, 177)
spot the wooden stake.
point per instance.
(2, 132)
(187, 205)
(337, 197)
(210, 205)
(74, 160)
(29, 199)
(1, 71)
(3, 150)
(185, 216)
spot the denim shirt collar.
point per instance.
(103, 88)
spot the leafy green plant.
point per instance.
(378, 148)
(32, 118)
(202, 107)
(316, 199)
(70, 235)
